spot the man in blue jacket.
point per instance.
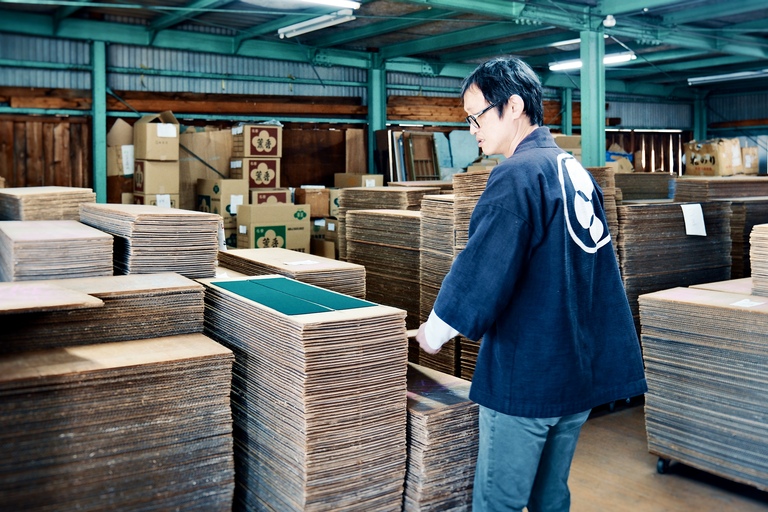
(539, 282)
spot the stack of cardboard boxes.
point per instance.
(719, 157)
(120, 158)
(156, 167)
(256, 153)
(271, 219)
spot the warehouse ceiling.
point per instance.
(671, 41)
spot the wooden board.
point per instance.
(37, 296)
(319, 398)
(706, 355)
(110, 426)
(132, 307)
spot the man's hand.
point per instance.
(422, 339)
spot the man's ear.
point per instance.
(516, 106)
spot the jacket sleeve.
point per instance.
(482, 278)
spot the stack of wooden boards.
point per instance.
(129, 307)
(43, 203)
(93, 424)
(151, 239)
(339, 276)
(706, 360)
(377, 198)
(49, 249)
(386, 243)
(468, 187)
(442, 441)
(318, 397)
(656, 252)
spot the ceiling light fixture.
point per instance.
(321, 22)
(728, 77)
(341, 4)
(613, 58)
(569, 42)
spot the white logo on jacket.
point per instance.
(580, 202)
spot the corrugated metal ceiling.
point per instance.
(672, 40)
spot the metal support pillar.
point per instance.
(700, 117)
(566, 109)
(99, 119)
(592, 98)
(377, 105)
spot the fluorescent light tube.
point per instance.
(321, 22)
(618, 58)
(614, 58)
(565, 65)
(742, 75)
(341, 4)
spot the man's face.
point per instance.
(493, 133)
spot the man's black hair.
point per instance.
(500, 78)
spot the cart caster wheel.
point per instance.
(662, 466)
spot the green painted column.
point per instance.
(566, 107)
(377, 105)
(700, 117)
(99, 119)
(592, 98)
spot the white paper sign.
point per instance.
(243, 229)
(237, 130)
(694, 219)
(303, 262)
(235, 200)
(331, 226)
(370, 182)
(235, 164)
(166, 130)
(746, 303)
(163, 200)
(127, 154)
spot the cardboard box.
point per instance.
(333, 201)
(261, 172)
(120, 189)
(156, 137)
(120, 160)
(750, 159)
(567, 141)
(121, 134)
(203, 155)
(151, 177)
(317, 198)
(274, 225)
(619, 162)
(222, 197)
(346, 180)
(331, 229)
(257, 140)
(271, 196)
(322, 247)
(715, 157)
(230, 237)
(162, 200)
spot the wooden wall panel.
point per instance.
(19, 178)
(6, 150)
(48, 151)
(311, 156)
(61, 158)
(37, 151)
(35, 163)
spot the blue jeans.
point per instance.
(524, 462)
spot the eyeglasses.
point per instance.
(472, 119)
